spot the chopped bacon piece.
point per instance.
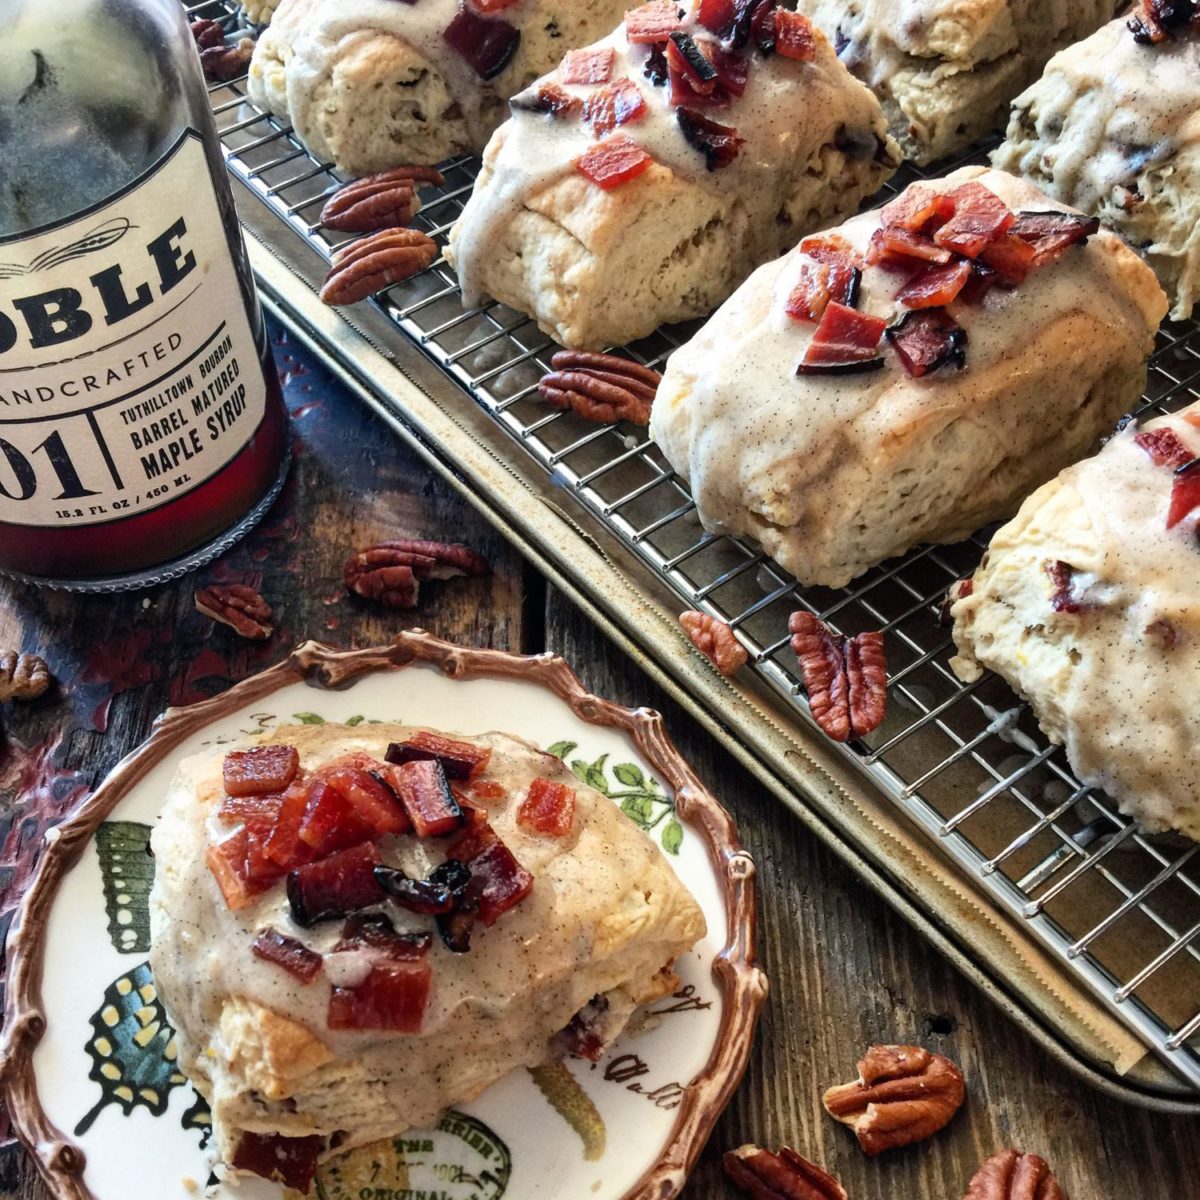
(794, 37)
(486, 45)
(437, 894)
(721, 16)
(617, 104)
(549, 808)
(1063, 578)
(282, 844)
(293, 956)
(227, 861)
(548, 98)
(460, 760)
(762, 25)
(981, 280)
(1052, 234)
(918, 209)
(614, 161)
(893, 246)
(290, 1161)
(687, 59)
(425, 793)
(255, 812)
(652, 22)
(1164, 446)
(476, 837)
(498, 882)
(375, 931)
(393, 996)
(845, 338)
(261, 769)
(485, 790)
(330, 822)
(980, 216)
(718, 143)
(845, 265)
(1192, 418)
(927, 339)
(373, 801)
(1010, 257)
(732, 70)
(809, 298)
(1185, 493)
(935, 286)
(335, 886)
(589, 66)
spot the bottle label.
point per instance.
(129, 372)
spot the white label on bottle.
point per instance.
(129, 372)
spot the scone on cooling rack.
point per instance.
(259, 12)
(643, 179)
(1086, 603)
(946, 70)
(907, 376)
(1113, 127)
(355, 928)
(375, 84)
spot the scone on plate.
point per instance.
(1113, 127)
(643, 179)
(355, 928)
(908, 376)
(375, 84)
(1086, 604)
(946, 70)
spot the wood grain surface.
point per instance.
(844, 970)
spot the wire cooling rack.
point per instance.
(966, 762)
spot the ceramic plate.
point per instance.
(88, 1054)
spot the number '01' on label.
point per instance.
(129, 372)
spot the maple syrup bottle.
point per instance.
(142, 428)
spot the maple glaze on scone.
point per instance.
(600, 264)
(836, 470)
(1087, 605)
(301, 1016)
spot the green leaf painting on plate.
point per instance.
(132, 1049)
(128, 873)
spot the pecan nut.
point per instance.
(783, 1176)
(207, 34)
(381, 201)
(1012, 1175)
(903, 1094)
(846, 678)
(22, 676)
(600, 387)
(715, 640)
(238, 606)
(224, 63)
(375, 262)
(391, 572)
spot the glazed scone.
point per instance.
(567, 909)
(1086, 605)
(596, 265)
(374, 84)
(835, 467)
(946, 70)
(1113, 128)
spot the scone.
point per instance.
(375, 84)
(259, 12)
(354, 928)
(1086, 604)
(1113, 127)
(946, 70)
(908, 376)
(646, 177)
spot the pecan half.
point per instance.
(1012, 1175)
(846, 678)
(715, 640)
(903, 1094)
(600, 387)
(222, 63)
(391, 572)
(375, 262)
(22, 676)
(783, 1176)
(207, 33)
(381, 201)
(238, 606)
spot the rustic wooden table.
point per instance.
(844, 970)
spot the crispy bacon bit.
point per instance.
(653, 22)
(810, 297)
(282, 844)
(498, 882)
(256, 812)
(393, 996)
(372, 800)
(548, 808)
(477, 835)
(896, 247)
(721, 16)
(582, 1036)
(618, 104)
(426, 796)
(330, 822)
(927, 339)
(375, 931)
(762, 25)
(335, 886)
(614, 161)
(261, 769)
(1052, 234)
(1185, 493)
(918, 209)
(685, 57)
(732, 70)
(589, 66)
(980, 282)
(1062, 576)
(794, 37)
(485, 790)
(437, 894)
(293, 956)
(843, 261)
(844, 339)
(935, 286)
(487, 45)
(718, 143)
(290, 1161)
(980, 216)
(845, 678)
(548, 98)
(1009, 257)
(1164, 446)
(227, 860)
(460, 760)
